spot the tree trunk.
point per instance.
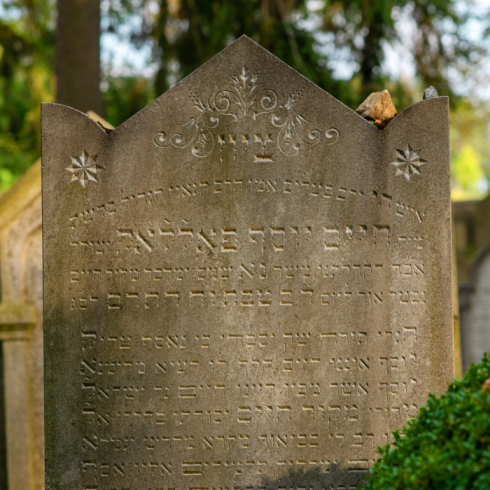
(78, 55)
(159, 33)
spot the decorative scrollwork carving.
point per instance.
(244, 97)
(195, 132)
(295, 130)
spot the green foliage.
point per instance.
(469, 129)
(125, 96)
(438, 42)
(26, 80)
(189, 34)
(466, 170)
(184, 34)
(447, 446)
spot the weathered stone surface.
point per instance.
(378, 107)
(480, 222)
(475, 311)
(246, 284)
(472, 230)
(21, 330)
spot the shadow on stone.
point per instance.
(337, 479)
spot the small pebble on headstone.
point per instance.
(378, 107)
(430, 93)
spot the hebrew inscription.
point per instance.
(260, 317)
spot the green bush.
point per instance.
(447, 446)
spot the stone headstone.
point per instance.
(472, 230)
(475, 311)
(465, 229)
(247, 285)
(21, 334)
(481, 224)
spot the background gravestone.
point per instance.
(472, 230)
(21, 335)
(246, 284)
(475, 310)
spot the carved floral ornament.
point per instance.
(84, 169)
(408, 162)
(244, 97)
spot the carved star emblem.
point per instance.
(83, 169)
(408, 162)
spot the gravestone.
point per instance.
(474, 288)
(247, 285)
(475, 311)
(21, 334)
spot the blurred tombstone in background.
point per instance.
(475, 311)
(474, 288)
(464, 236)
(21, 333)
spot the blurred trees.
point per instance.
(26, 79)
(306, 35)
(342, 45)
(189, 32)
(470, 149)
(437, 39)
(466, 171)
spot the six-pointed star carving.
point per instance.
(83, 168)
(408, 162)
